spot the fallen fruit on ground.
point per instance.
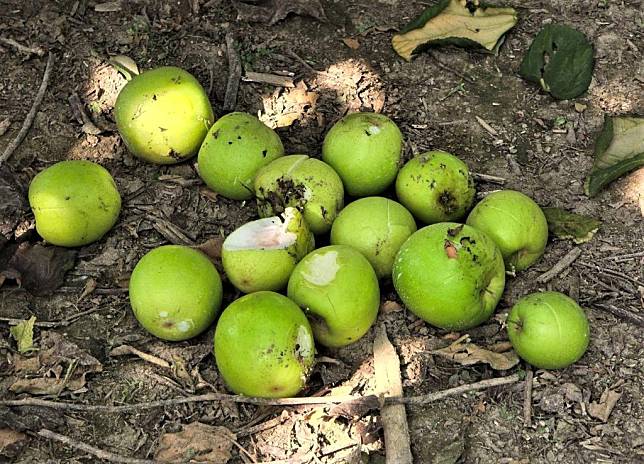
(163, 115)
(549, 330)
(365, 150)
(236, 147)
(260, 255)
(376, 227)
(338, 290)
(305, 183)
(450, 275)
(74, 202)
(436, 186)
(175, 292)
(516, 224)
(264, 346)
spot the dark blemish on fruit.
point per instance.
(176, 79)
(447, 202)
(162, 129)
(455, 231)
(239, 137)
(264, 153)
(68, 198)
(174, 154)
(154, 97)
(367, 132)
(432, 184)
(167, 324)
(475, 258)
(230, 143)
(215, 134)
(465, 241)
(442, 166)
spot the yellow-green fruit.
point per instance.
(264, 346)
(517, 225)
(365, 150)
(436, 186)
(175, 292)
(549, 330)
(260, 255)
(376, 227)
(338, 290)
(305, 183)
(163, 115)
(236, 147)
(74, 202)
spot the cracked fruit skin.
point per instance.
(365, 150)
(264, 346)
(163, 115)
(175, 292)
(261, 254)
(376, 227)
(450, 275)
(301, 182)
(74, 202)
(436, 186)
(548, 330)
(236, 147)
(516, 224)
(338, 290)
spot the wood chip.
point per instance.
(487, 127)
(272, 79)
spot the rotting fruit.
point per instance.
(450, 275)
(549, 330)
(264, 346)
(236, 147)
(260, 255)
(365, 150)
(302, 182)
(435, 186)
(175, 292)
(338, 290)
(517, 225)
(376, 227)
(74, 202)
(163, 115)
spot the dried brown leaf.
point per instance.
(355, 408)
(602, 409)
(352, 43)
(11, 442)
(197, 442)
(466, 354)
(211, 248)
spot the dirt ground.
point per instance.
(542, 147)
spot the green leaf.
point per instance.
(619, 149)
(23, 334)
(560, 59)
(464, 23)
(125, 65)
(563, 224)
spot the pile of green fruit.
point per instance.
(450, 274)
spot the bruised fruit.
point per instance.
(450, 275)
(175, 292)
(435, 186)
(74, 202)
(365, 150)
(517, 225)
(376, 227)
(163, 115)
(338, 290)
(306, 183)
(236, 147)
(549, 330)
(261, 254)
(264, 346)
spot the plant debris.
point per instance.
(566, 225)
(456, 22)
(23, 334)
(273, 11)
(465, 353)
(196, 442)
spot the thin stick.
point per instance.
(99, 453)
(218, 397)
(22, 48)
(272, 79)
(563, 264)
(489, 178)
(490, 130)
(32, 112)
(234, 74)
(527, 399)
(621, 313)
(452, 70)
(611, 272)
(52, 324)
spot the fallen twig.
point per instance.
(127, 349)
(489, 178)
(450, 69)
(272, 79)
(99, 453)
(53, 324)
(22, 48)
(4, 126)
(490, 130)
(234, 74)
(610, 272)
(527, 399)
(563, 264)
(32, 112)
(393, 417)
(621, 313)
(218, 397)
